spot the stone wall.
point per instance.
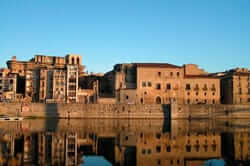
(125, 111)
(218, 111)
(83, 110)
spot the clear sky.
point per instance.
(215, 34)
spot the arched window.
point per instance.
(78, 61)
(73, 61)
(158, 100)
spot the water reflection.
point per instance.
(123, 142)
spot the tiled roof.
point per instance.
(201, 76)
(161, 65)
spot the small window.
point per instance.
(158, 100)
(141, 100)
(149, 151)
(178, 74)
(143, 151)
(1, 74)
(205, 101)
(197, 93)
(1, 87)
(0, 81)
(158, 86)
(171, 74)
(143, 84)
(248, 91)
(158, 135)
(213, 101)
(159, 74)
(188, 148)
(168, 86)
(188, 93)
(127, 97)
(149, 84)
(248, 99)
(11, 81)
(168, 148)
(213, 93)
(158, 149)
(188, 101)
(205, 94)
(240, 92)
(188, 87)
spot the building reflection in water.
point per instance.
(122, 142)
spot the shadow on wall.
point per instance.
(52, 117)
(166, 108)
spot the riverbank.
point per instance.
(130, 111)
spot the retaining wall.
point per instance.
(125, 111)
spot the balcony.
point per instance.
(196, 89)
(213, 89)
(205, 89)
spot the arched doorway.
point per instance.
(158, 100)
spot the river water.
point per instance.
(124, 142)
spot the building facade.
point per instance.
(236, 86)
(148, 83)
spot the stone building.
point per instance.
(8, 85)
(48, 78)
(148, 83)
(187, 149)
(235, 85)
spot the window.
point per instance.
(213, 93)
(248, 91)
(178, 74)
(143, 151)
(171, 74)
(168, 148)
(205, 94)
(141, 100)
(205, 87)
(168, 86)
(158, 100)
(11, 81)
(188, 93)
(248, 99)
(188, 101)
(158, 149)
(127, 97)
(158, 135)
(158, 86)
(143, 84)
(197, 93)
(149, 84)
(213, 87)
(1, 87)
(1, 74)
(159, 74)
(188, 87)
(0, 81)
(213, 101)
(240, 92)
(188, 148)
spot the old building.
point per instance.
(8, 85)
(161, 83)
(235, 85)
(48, 78)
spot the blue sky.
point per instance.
(215, 34)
